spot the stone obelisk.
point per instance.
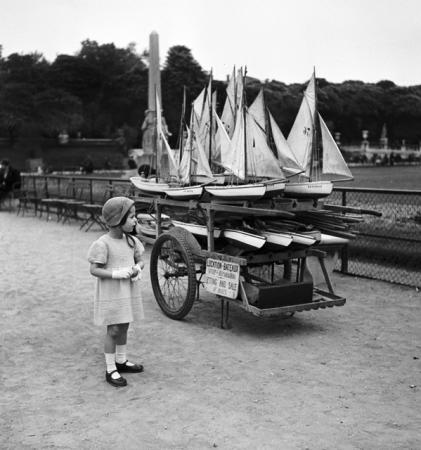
(154, 80)
(154, 85)
(149, 134)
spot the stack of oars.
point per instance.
(331, 219)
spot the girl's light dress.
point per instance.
(116, 301)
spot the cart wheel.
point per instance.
(189, 238)
(173, 275)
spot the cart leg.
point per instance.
(225, 310)
(287, 270)
(326, 275)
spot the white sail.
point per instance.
(228, 112)
(333, 161)
(239, 87)
(184, 169)
(204, 129)
(223, 142)
(198, 108)
(172, 161)
(233, 158)
(194, 161)
(201, 164)
(286, 157)
(172, 157)
(232, 103)
(206, 139)
(257, 110)
(261, 162)
(198, 104)
(300, 138)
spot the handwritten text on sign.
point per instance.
(222, 277)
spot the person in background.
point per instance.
(9, 178)
(88, 165)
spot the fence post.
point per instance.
(344, 258)
(46, 186)
(91, 196)
(343, 198)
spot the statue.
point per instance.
(149, 132)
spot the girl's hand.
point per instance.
(137, 272)
(124, 272)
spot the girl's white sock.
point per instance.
(110, 362)
(121, 355)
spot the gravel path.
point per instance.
(341, 378)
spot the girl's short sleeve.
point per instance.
(138, 249)
(98, 252)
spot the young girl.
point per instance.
(116, 261)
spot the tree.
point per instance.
(180, 69)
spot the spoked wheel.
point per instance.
(173, 275)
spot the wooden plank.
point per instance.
(245, 211)
(352, 209)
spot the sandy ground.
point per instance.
(343, 378)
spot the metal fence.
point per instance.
(386, 248)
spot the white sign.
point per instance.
(222, 277)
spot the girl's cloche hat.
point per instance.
(114, 210)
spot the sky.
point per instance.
(367, 40)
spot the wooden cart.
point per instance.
(264, 283)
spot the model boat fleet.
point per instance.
(229, 159)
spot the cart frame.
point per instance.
(283, 208)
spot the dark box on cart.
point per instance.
(284, 293)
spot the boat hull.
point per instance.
(247, 241)
(149, 186)
(277, 241)
(274, 188)
(237, 192)
(194, 228)
(302, 239)
(185, 193)
(328, 239)
(308, 189)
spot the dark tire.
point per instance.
(194, 245)
(173, 275)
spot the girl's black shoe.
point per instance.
(117, 382)
(123, 367)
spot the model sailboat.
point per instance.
(315, 151)
(160, 181)
(247, 158)
(193, 165)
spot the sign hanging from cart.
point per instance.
(222, 277)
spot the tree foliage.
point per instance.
(102, 90)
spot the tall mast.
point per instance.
(158, 146)
(210, 118)
(235, 96)
(182, 122)
(191, 140)
(245, 122)
(315, 156)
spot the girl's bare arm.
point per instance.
(97, 270)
